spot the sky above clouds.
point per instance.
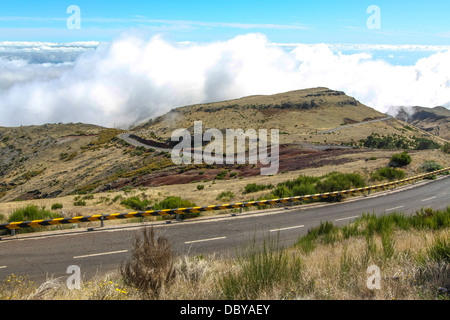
(133, 60)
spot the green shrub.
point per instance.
(225, 196)
(425, 144)
(57, 206)
(446, 147)
(221, 175)
(430, 166)
(253, 187)
(387, 142)
(200, 187)
(388, 173)
(79, 203)
(306, 185)
(400, 159)
(337, 181)
(135, 203)
(32, 212)
(173, 202)
(398, 142)
(439, 250)
(303, 185)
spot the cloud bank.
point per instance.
(132, 78)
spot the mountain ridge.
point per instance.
(434, 120)
(55, 160)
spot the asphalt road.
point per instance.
(353, 125)
(126, 137)
(50, 254)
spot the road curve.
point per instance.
(126, 137)
(102, 250)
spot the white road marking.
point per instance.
(390, 209)
(287, 228)
(346, 218)
(100, 254)
(202, 240)
(428, 199)
(2, 267)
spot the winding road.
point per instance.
(354, 124)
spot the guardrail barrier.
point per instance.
(140, 214)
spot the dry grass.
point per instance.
(151, 266)
(414, 263)
(27, 151)
(294, 124)
(103, 202)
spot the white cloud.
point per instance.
(132, 78)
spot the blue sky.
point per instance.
(140, 59)
(325, 21)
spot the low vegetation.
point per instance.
(105, 136)
(254, 187)
(67, 156)
(225, 196)
(135, 203)
(395, 141)
(173, 202)
(56, 206)
(330, 262)
(400, 159)
(151, 266)
(307, 185)
(446, 147)
(28, 213)
(388, 173)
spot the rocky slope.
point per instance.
(61, 159)
(434, 120)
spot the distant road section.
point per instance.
(353, 125)
(127, 138)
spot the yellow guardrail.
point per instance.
(164, 212)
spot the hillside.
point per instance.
(58, 159)
(300, 112)
(308, 116)
(321, 130)
(434, 120)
